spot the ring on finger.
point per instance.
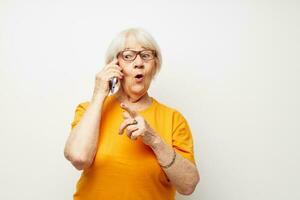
(134, 122)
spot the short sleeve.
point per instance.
(182, 139)
(80, 109)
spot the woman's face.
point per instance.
(137, 73)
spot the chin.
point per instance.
(140, 88)
(137, 91)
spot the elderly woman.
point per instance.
(129, 145)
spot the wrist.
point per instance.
(98, 101)
(156, 142)
(98, 97)
(160, 148)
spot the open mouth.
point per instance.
(139, 77)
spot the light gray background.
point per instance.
(230, 67)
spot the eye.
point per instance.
(127, 55)
(146, 55)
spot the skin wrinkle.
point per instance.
(183, 173)
(81, 145)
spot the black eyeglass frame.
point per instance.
(136, 54)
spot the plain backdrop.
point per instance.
(230, 67)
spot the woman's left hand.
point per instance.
(136, 126)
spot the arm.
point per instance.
(183, 174)
(81, 145)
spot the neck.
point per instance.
(135, 102)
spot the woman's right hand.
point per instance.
(102, 78)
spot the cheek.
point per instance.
(151, 72)
(127, 70)
(148, 78)
(125, 67)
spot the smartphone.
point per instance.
(113, 83)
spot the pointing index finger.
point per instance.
(132, 113)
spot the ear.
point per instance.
(154, 71)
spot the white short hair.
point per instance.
(142, 37)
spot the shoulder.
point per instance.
(172, 112)
(82, 106)
(85, 104)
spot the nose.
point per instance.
(138, 62)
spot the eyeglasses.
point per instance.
(130, 55)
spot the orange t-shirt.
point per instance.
(125, 169)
